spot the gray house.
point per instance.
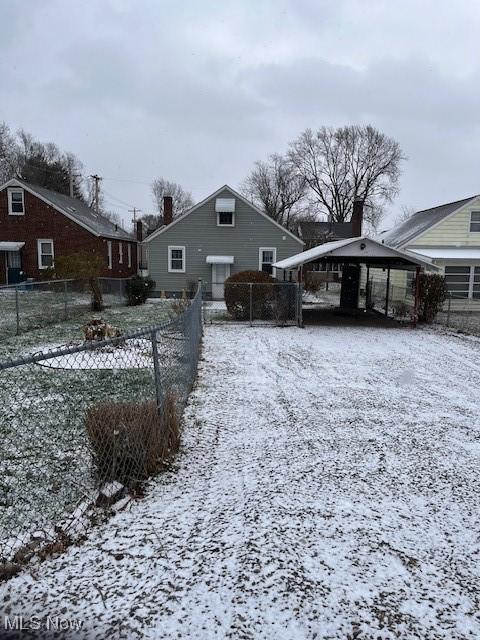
(222, 235)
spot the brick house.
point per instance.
(37, 224)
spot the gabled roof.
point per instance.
(358, 247)
(74, 209)
(316, 230)
(421, 221)
(166, 228)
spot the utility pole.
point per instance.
(134, 220)
(97, 181)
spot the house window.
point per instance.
(45, 253)
(475, 222)
(109, 254)
(120, 253)
(266, 257)
(225, 219)
(458, 281)
(176, 259)
(476, 283)
(16, 204)
(129, 254)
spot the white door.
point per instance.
(220, 273)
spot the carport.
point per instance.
(353, 253)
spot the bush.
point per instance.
(237, 294)
(130, 441)
(433, 293)
(85, 267)
(138, 290)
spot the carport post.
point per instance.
(17, 311)
(417, 298)
(251, 304)
(387, 296)
(367, 288)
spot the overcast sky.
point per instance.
(196, 91)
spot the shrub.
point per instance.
(237, 294)
(131, 441)
(84, 267)
(138, 290)
(433, 293)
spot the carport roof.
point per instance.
(361, 250)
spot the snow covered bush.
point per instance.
(131, 441)
(138, 290)
(433, 293)
(237, 294)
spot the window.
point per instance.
(176, 259)
(266, 257)
(129, 254)
(120, 253)
(109, 254)
(225, 219)
(45, 253)
(458, 281)
(475, 222)
(476, 283)
(16, 205)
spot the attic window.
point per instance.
(16, 204)
(475, 222)
(225, 219)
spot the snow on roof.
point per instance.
(472, 253)
(357, 248)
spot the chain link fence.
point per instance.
(86, 423)
(399, 303)
(461, 314)
(277, 303)
(33, 305)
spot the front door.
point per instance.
(14, 267)
(220, 273)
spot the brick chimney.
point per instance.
(357, 217)
(139, 230)
(167, 210)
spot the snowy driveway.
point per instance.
(328, 488)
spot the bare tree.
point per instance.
(182, 200)
(277, 188)
(341, 164)
(8, 154)
(406, 212)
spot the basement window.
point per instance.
(16, 203)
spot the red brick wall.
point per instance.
(41, 221)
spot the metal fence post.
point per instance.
(120, 290)
(251, 303)
(65, 299)
(156, 371)
(449, 308)
(17, 311)
(300, 305)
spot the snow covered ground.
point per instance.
(327, 487)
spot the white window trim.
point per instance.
(39, 252)
(10, 192)
(109, 254)
(129, 254)
(260, 256)
(225, 225)
(120, 253)
(475, 233)
(184, 259)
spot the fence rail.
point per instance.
(33, 305)
(255, 303)
(80, 418)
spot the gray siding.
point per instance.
(201, 236)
